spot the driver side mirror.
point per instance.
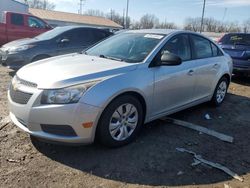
(170, 59)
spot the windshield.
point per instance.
(128, 47)
(236, 39)
(52, 33)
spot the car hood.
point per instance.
(68, 70)
(20, 42)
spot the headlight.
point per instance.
(66, 95)
(16, 49)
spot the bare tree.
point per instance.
(92, 12)
(116, 17)
(166, 25)
(41, 4)
(149, 21)
(211, 25)
(246, 26)
(192, 24)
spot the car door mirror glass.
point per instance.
(170, 59)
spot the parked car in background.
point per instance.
(109, 91)
(237, 45)
(59, 41)
(16, 26)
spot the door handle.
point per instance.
(215, 65)
(190, 73)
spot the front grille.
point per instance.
(25, 83)
(19, 96)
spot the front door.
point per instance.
(174, 85)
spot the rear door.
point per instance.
(207, 58)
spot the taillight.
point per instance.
(219, 40)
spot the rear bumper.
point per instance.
(241, 66)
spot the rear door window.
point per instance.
(201, 47)
(99, 35)
(17, 19)
(236, 39)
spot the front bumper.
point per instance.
(13, 61)
(32, 116)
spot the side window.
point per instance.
(99, 35)
(78, 37)
(216, 50)
(202, 47)
(17, 19)
(86, 37)
(179, 46)
(35, 23)
(70, 35)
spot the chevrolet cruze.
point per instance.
(110, 90)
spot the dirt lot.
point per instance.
(152, 160)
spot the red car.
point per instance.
(16, 26)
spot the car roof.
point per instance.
(79, 27)
(162, 31)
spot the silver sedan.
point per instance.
(109, 91)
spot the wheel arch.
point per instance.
(227, 76)
(136, 94)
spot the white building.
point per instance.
(13, 6)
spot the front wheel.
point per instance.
(220, 92)
(120, 121)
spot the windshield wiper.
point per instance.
(108, 57)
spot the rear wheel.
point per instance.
(120, 121)
(220, 92)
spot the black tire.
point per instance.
(103, 134)
(214, 101)
(40, 57)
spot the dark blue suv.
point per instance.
(237, 45)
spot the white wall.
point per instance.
(13, 6)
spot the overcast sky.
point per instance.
(170, 10)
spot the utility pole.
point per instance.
(123, 19)
(81, 6)
(127, 14)
(44, 4)
(111, 14)
(202, 18)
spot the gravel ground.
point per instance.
(152, 160)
